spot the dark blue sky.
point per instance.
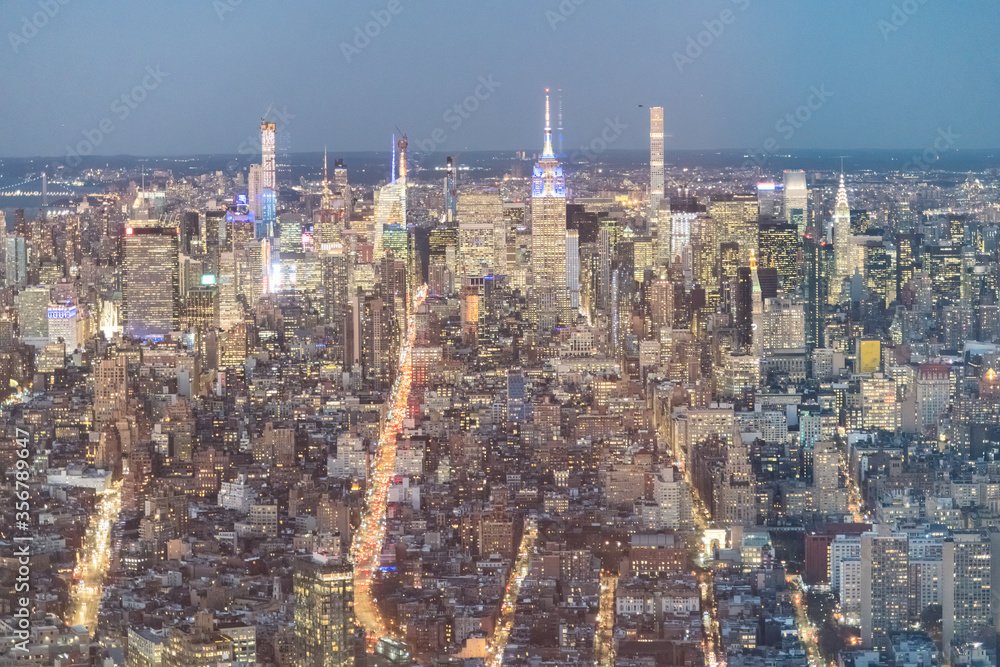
(894, 84)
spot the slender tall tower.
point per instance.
(816, 284)
(268, 181)
(756, 311)
(548, 236)
(559, 127)
(390, 203)
(450, 194)
(655, 158)
(842, 235)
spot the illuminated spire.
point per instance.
(559, 125)
(842, 194)
(547, 150)
(842, 240)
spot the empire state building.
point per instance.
(551, 304)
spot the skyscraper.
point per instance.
(605, 255)
(662, 304)
(32, 315)
(655, 159)
(842, 235)
(944, 263)
(341, 188)
(336, 270)
(783, 325)
(966, 595)
(17, 261)
(253, 265)
(797, 197)
(744, 308)
(769, 198)
(450, 193)
(573, 267)
(151, 281)
(816, 284)
(779, 244)
(756, 311)
(548, 230)
(390, 201)
(110, 389)
(884, 587)
(66, 323)
(229, 308)
(829, 497)
(736, 499)
(480, 214)
(736, 216)
(324, 614)
(255, 193)
(475, 248)
(675, 224)
(268, 182)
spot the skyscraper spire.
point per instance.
(655, 160)
(547, 150)
(559, 125)
(842, 239)
(842, 195)
(551, 302)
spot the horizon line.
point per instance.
(238, 156)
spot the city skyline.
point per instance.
(596, 400)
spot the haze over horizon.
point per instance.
(459, 76)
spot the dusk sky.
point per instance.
(892, 73)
